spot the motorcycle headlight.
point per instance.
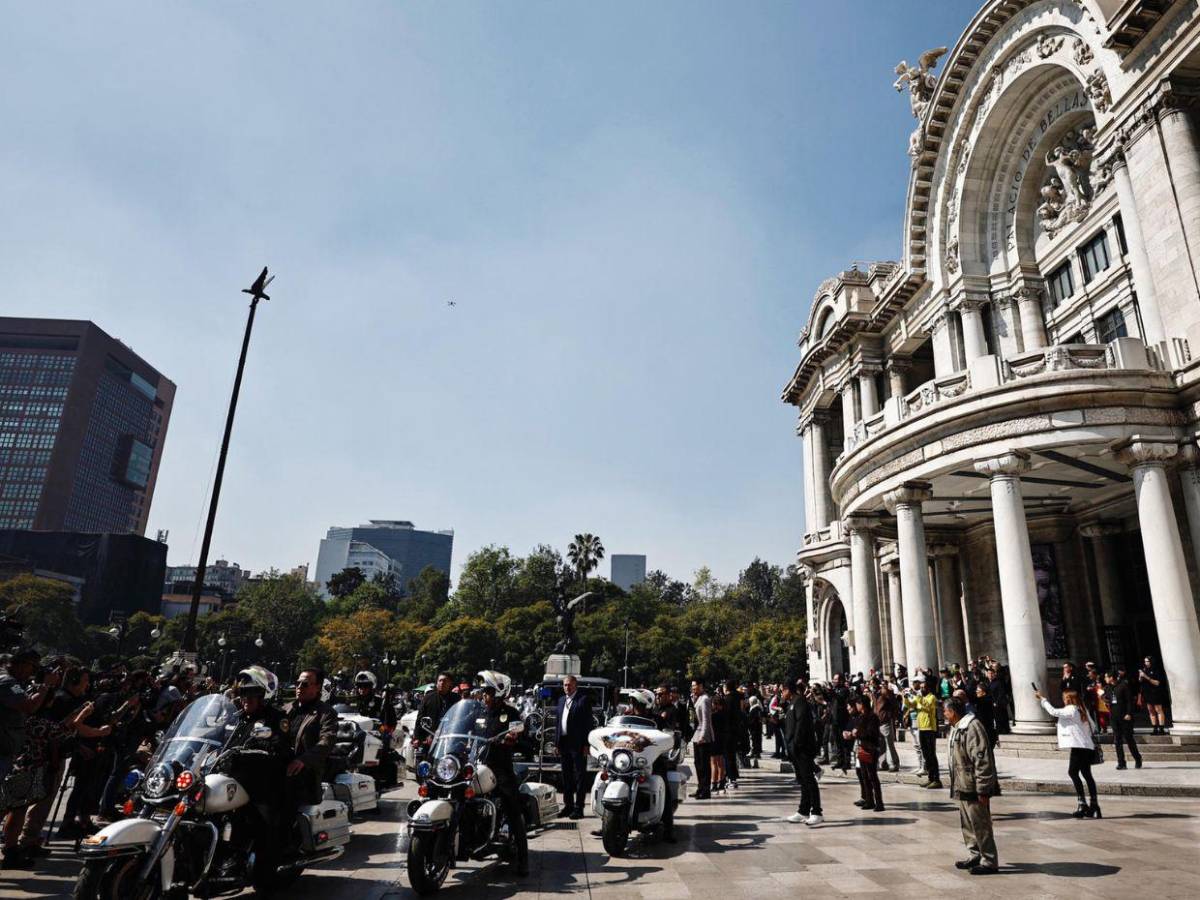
(159, 781)
(622, 760)
(447, 768)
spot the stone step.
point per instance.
(1155, 755)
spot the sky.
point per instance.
(630, 204)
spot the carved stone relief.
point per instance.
(1081, 51)
(1047, 45)
(1098, 93)
(1067, 194)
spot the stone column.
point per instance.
(1018, 590)
(896, 613)
(919, 643)
(1108, 578)
(970, 310)
(863, 591)
(1139, 262)
(1033, 321)
(954, 637)
(1189, 482)
(1170, 591)
(849, 419)
(943, 351)
(822, 498)
(804, 429)
(868, 396)
(1183, 158)
(897, 366)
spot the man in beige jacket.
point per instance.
(973, 783)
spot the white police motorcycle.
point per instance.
(192, 827)
(627, 795)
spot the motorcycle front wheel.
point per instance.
(428, 861)
(116, 880)
(615, 834)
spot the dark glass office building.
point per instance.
(82, 424)
(409, 549)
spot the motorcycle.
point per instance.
(363, 763)
(454, 818)
(192, 827)
(627, 795)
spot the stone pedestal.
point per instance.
(1018, 591)
(560, 665)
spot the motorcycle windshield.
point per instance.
(462, 731)
(202, 729)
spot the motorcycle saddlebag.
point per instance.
(324, 825)
(356, 790)
(542, 802)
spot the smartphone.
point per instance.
(1033, 685)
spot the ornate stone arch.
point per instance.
(1004, 38)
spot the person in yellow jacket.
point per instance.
(921, 699)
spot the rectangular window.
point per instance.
(1094, 255)
(1111, 326)
(1060, 284)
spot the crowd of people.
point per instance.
(60, 719)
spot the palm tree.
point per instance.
(585, 553)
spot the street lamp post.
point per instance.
(626, 666)
(221, 642)
(189, 635)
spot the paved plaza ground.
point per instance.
(738, 846)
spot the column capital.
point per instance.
(1189, 456)
(911, 493)
(814, 417)
(969, 302)
(890, 567)
(1027, 294)
(852, 524)
(899, 363)
(1012, 463)
(1141, 452)
(943, 551)
(1097, 531)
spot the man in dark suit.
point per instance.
(572, 724)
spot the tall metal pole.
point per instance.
(189, 634)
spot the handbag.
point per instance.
(23, 788)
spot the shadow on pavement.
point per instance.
(1061, 869)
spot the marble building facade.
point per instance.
(999, 430)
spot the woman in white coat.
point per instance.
(1076, 735)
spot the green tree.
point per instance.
(758, 586)
(284, 610)
(346, 581)
(526, 636)
(46, 610)
(487, 585)
(462, 647)
(770, 650)
(585, 553)
(539, 574)
(427, 593)
(705, 585)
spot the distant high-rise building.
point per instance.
(383, 546)
(82, 424)
(628, 569)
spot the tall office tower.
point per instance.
(385, 546)
(82, 424)
(628, 569)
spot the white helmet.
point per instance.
(642, 696)
(365, 679)
(258, 676)
(498, 680)
(326, 690)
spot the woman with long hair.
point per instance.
(864, 728)
(720, 715)
(1075, 734)
(1153, 685)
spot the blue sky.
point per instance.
(631, 204)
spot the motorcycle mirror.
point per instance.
(260, 731)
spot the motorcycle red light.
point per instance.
(604, 776)
(469, 793)
(185, 780)
(180, 808)
(422, 791)
(468, 773)
(322, 837)
(641, 779)
(127, 807)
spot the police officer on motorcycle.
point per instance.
(263, 774)
(494, 690)
(367, 703)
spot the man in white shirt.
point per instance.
(574, 721)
